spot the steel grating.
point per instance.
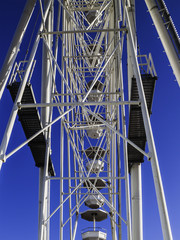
(136, 131)
(31, 124)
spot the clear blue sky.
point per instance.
(19, 176)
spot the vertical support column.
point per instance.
(165, 224)
(112, 116)
(75, 227)
(136, 202)
(46, 90)
(61, 176)
(128, 208)
(15, 44)
(62, 130)
(132, 20)
(136, 181)
(69, 42)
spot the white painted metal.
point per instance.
(94, 235)
(166, 229)
(136, 202)
(136, 189)
(165, 38)
(90, 52)
(124, 131)
(15, 44)
(19, 105)
(13, 115)
(46, 96)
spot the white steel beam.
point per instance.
(136, 189)
(86, 31)
(136, 202)
(164, 37)
(4, 157)
(62, 145)
(112, 103)
(14, 111)
(46, 90)
(165, 224)
(15, 44)
(128, 208)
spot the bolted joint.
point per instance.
(149, 156)
(19, 105)
(139, 100)
(3, 158)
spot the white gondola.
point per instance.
(95, 55)
(94, 201)
(96, 130)
(87, 60)
(94, 216)
(92, 16)
(95, 166)
(94, 235)
(95, 154)
(98, 183)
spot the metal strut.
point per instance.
(84, 86)
(167, 34)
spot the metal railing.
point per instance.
(92, 229)
(146, 65)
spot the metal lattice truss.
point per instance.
(83, 89)
(90, 88)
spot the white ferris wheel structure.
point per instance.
(94, 83)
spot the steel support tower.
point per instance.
(99, 91)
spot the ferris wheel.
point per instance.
(103, 107)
